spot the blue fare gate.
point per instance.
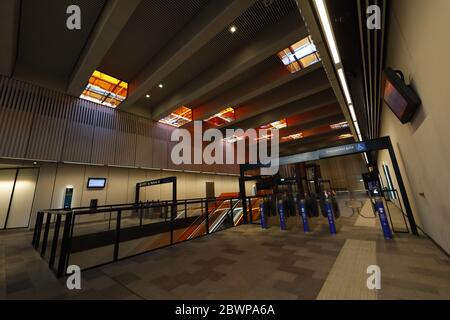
(303, 215)
(282, 215)
(263, 215)
(330, 216)
(379, 207)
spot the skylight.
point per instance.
(345, 136)
(340, 125)
(224, 116)
(105, 90)
(234, 138)
(300, 55)
(179, 117)
(291, 137)
(276, 125)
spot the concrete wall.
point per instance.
(418, 46)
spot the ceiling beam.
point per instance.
(295, 90)
(313, 141)
(113, 19)
(214, 18)
(302, 126)
(9, 17)
(315, 114)
(266, 43)
(317, 100)
(262, 83)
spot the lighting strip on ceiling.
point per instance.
(331, 41)
(326, 25)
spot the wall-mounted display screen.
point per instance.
(399, 97)
(96, 183)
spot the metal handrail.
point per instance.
(56, 219)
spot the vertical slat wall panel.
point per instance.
(159, 146)
(49, 126)
(80, 132)
(104, 144)
(170, 145)
(125, 139)
(42, 124)
(144, 144)
(15, 120)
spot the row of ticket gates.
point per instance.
(286, 211)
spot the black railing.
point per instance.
(93, 236)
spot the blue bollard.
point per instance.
(282, 215)
(330, 216)
(304, 215)
(379, 207)
(263, 215)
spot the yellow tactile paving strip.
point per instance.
(347, 279)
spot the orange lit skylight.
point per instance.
(300, 55)
(105, 90)
(224, 116)
(179, 117)
(345, 136)
(276, 125)
(291, 137)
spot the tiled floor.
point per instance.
(245, 263)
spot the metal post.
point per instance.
(250, 209)
(402, 188)
(51, 260)
(207, 217)
(37, 229)
(64, 246)
(46, 231)
(242, 193)
(116, 244)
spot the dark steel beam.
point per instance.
(266, 43)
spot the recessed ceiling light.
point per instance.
(233, 29)
(161, 85)
(147, 96)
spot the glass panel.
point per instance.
(93, 239)
(105, 90)
(190, 222)
(144, 230)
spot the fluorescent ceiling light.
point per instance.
(366, 158)
(344, 85)
(358, 131)
(352, 113)
(325, 20)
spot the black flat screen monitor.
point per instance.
(96, 183)
(399, 97)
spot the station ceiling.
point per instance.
(189, 48)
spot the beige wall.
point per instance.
(344, 172)
(419, 47)
(120, 187)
